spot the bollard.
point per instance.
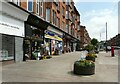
(112, 51)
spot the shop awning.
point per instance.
(55, 37)
(50, 37)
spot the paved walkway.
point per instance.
(59, 69)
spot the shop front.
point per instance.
(12, 32)
(69, 43)
(53, 42)
(32, 41)
(66, 43)
(34, 38)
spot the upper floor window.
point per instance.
(63, 11)
(63, 25)
(48, 14)
(71, 31)
(17, 2)
(41, 7)
(67, 28)
(66, 14)
(58, 22)
(54, 17)
(37, 6)
(30, 5)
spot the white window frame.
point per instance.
(67, 28)
(46, 15)
(67, 15)
(32, 5)
(54, 17)
(37, 9)
(17, 2)
(41, 6)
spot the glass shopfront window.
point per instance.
(33, 40)
(8, 47)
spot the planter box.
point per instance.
(48, 57)
(83, 70)
(90, 58)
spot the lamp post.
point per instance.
(106, 37)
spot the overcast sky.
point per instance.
(94, 16)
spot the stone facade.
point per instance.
(18, 49)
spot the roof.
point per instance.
(76, 11)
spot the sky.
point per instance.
(94, 16)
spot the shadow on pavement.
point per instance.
(107, 56)
(72, 73)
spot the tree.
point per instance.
(94, 41)
(89, 47)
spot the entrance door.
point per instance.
(27, 50)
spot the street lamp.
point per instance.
(106, 37)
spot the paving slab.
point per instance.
(60, 69)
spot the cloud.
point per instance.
(96, 23)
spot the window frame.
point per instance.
(28, 6)
(41, 7)
(47, 14)
(37, 9)
(17, 2)
(67, 28)
(54, 17)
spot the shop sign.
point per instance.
(53, 36)
(12, 20)
(54, 30)
(58, 38)
(11, 26)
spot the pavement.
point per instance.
(60, 69)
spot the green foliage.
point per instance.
(91, 55)
(85, 63)
(89, 47)
(94, 41)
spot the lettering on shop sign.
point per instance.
(4, 24)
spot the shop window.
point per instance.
(37, 33)
(30, 5)
(8, 52)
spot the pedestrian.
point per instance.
(112, 51)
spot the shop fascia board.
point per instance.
(13, 11)
(72, 38)
(62, 32)
(52, 29)
(37, 22)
